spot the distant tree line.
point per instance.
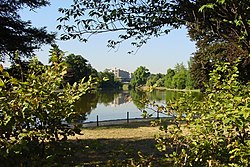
(177, 78)
(221, 36)
(78, 68)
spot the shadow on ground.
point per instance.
(107, 152)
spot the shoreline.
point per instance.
(146, 88)
(118, 122)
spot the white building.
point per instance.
(123, 76)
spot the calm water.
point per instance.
(111, 105)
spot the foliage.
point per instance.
(56, 54)
(169, 78)
(140, 77)
(208, 54)
(141, 20)
(178, 78)
(189, 84)
(137, 19)
(35, 112)
(108, 81)
(155, 80)
(221, 21)
(212, 132)
(16, 34)
(222, 35)
(19, 68)
(78, 68)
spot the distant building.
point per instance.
(123, 76)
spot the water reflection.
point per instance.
(110, 105)
(165, 96)
(121, 98)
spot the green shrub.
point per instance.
(212, 132)
(36, 112)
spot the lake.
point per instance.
(110, 105)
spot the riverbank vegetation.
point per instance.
(178, 78)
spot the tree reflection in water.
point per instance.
(111, 99)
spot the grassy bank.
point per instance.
(133, 130)
(119, 145)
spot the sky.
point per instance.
(157, 55)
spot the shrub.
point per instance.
(212, 132)
(36, 112)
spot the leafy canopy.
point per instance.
(142, 19)
(16, 34)
(139, 77)
(78, 68)
(206, 57)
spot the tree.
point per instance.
(221, 21)
(218, 126)
(180, 68)
(137, 19)
(21, 69)
(108, 80)
(140, 77)
(78, 68)
(206, 57)
(143, 19)
(155, 80)
(56, 54)
(19, 35)
(221, 36)
(179, 79)
(160, 82)
(189, 80)
(169, 78)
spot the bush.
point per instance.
(36, 112)
(212, 132)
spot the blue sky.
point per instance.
(157, 55)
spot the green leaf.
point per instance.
(221, 1)
(246, 114)
(209, 6)
(1, 68)
(1, 83)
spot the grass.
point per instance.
(128, 144)
(123, 145)
(134, 130)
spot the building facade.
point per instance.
(123, 76)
